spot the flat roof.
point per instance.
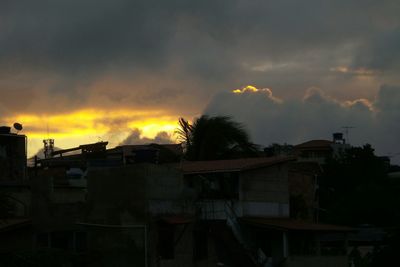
(13, 135)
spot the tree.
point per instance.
(212, 138)
(355, 190)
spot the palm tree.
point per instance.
(211, 138)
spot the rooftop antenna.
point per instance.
(346, 131)
(48, 148)
(48, 143)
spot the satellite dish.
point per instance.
(18, 126)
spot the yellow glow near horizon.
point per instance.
(91, 125)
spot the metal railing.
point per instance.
(223, 209)
(256, 254)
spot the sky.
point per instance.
(124, 71)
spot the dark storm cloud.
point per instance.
(383, 53)
(63, 49)
(316, 116)
(83, 34)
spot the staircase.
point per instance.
(231, 236)
(255, 253)
(229, 250)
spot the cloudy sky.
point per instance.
(126, 70)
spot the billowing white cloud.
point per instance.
(136, 138)
(315, 116)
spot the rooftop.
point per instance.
(231, 165)
(174, 148)
(314, 144)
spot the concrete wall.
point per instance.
(302, 188)
(131, 193)
(69, 194)
(12, 157)
(55, 208)
(265, 191)
(20, 199)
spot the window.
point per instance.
(66, 240)
(80, 241)
(200, 243)
(42, 240)
(61, 240)
(166, 235)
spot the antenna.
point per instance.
(48, 144)
(48, 148)
(346, 131)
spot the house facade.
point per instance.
(143, 206)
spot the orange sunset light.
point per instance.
(89, 125)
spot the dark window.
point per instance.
(61, 240)
(219, 186)
(80, 241)
(200, 243)
(42, 240)
(166, 233)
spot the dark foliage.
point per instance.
(388, 254)
(212, 138)
(355, 190)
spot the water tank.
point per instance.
(5, 130)
(338, 138)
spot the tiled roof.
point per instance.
(314, 144)
(231, 165)
(293, 225)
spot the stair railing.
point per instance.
(255, 253)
